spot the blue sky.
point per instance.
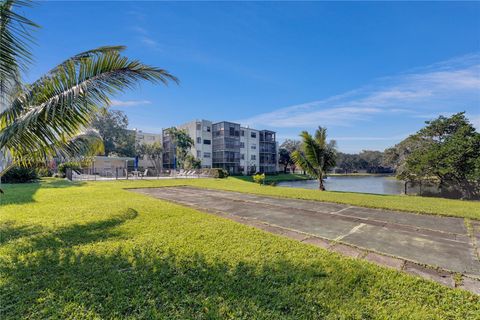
(372, 73)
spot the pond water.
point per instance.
(363, 184)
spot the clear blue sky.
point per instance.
(372, 73)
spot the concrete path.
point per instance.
(439, 242)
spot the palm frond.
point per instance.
(60, 105)
(15, 42)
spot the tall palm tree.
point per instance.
(316, 156)
(52, 115)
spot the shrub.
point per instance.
(216, 173)
(20, 175)
(62, 168)
(44, 172)
(259, 178)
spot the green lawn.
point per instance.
(269, 179)
(94, 250)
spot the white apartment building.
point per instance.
(249, 150)
(201, 133)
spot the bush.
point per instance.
(216, 173)
(44, 172)
(259, 178)
(20, 175)
(62, 168)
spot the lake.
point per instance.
(363, 184)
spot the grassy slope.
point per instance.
(94, 250)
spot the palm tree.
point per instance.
(51, 116)
(316, 155)
(181, 142)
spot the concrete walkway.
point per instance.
(404, 241)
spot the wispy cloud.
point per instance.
(451, 86)
(128, 103)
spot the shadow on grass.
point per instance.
(50, 277)
(19, 193)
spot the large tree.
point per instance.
(449, 153)
(284, 159)
(112, 127)
(285, 151)
(316, 156)
(51, 115)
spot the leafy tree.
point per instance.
(290, 146)
(49, 117)
(396, 156)
(112, 127)
(316, 156)
(370, 160)
(449, 153)
(182, 143)
(152, 152)
(284, 159)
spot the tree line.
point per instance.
(445, 153)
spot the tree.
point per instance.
(290, 146)
(372, 160)
(316, 156)
(51, 116)
(182, 143)
(112, 127)
(449, 153)
(152, 152)
(284, 158)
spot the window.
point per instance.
(242, 156)
(199, 126)
(205, 141)
(207, 128)
(253, 134)
(254, 147)
(199, 154)
(199, 140)
(207, 154)
(242, 133)
(242, 144)
(253, 157)
(232, 131)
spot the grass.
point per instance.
(94, 250)
(269, 179)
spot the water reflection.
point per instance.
(364, 184)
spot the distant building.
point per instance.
(227, 145)
(201, 133)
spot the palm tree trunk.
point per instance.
(321, 187)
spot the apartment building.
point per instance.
(201, 133)
(227, 145)
(268, 151)
(249, 150)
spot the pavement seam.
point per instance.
(352, 231)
